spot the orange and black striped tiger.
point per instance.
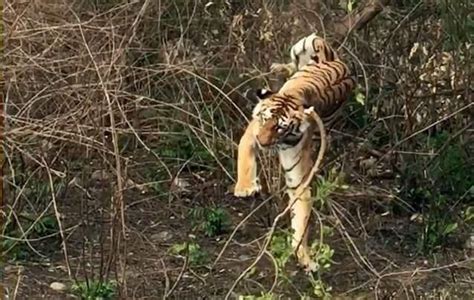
(282, 120)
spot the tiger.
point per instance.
(282, 121)
(311, 48)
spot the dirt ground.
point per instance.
(375, 252)
(173, 74)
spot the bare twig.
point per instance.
(58, 219)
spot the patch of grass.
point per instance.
(451, 170)
(325, 186)
(469, 214)
(154, 179)
(280, 247)
(93, 290)
(196, 255)
(437, 225)
(458, 22)
(184, 147)
(17, 232)
(212, 221)
(321, 253)
(439, 186)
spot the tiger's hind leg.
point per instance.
(247, 180)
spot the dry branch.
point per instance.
(357, 19)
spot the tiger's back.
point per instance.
(325, 86)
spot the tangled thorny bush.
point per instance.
(106, 97)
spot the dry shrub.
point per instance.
(133, 88)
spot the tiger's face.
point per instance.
(280, 125)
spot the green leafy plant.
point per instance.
(213, 221)
(325, 186)
(438, 225)
(436, 186)
(469, 215)
(193, 251)
(280, 247)
(320, 289)
(94, 290)
(16, 233)
(185, 146)
(322, 255)
(450, 170)
(321, 252)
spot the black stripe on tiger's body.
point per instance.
(324, 86)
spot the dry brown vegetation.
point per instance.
(122, 119)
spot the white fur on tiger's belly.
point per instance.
(289, 159)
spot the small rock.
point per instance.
(163, 236)
(180, 185)
(244, 257)
(58, 286)
(470, 243)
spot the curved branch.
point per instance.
(357, 19)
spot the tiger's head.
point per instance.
(282, 122)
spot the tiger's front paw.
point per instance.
(247, 190)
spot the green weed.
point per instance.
(457, 22)
(16, 234)
(438, 225)
(436, 185)
(184, 146)
(322, 255)
(320, 289)
(196, 255)
(94, 290)
(469, 214)
(212, 221)
(325, 186)
(280, 247)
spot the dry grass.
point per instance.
(110, 103)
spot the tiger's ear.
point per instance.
(258, 94)
(263, 93)
(308, 111)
